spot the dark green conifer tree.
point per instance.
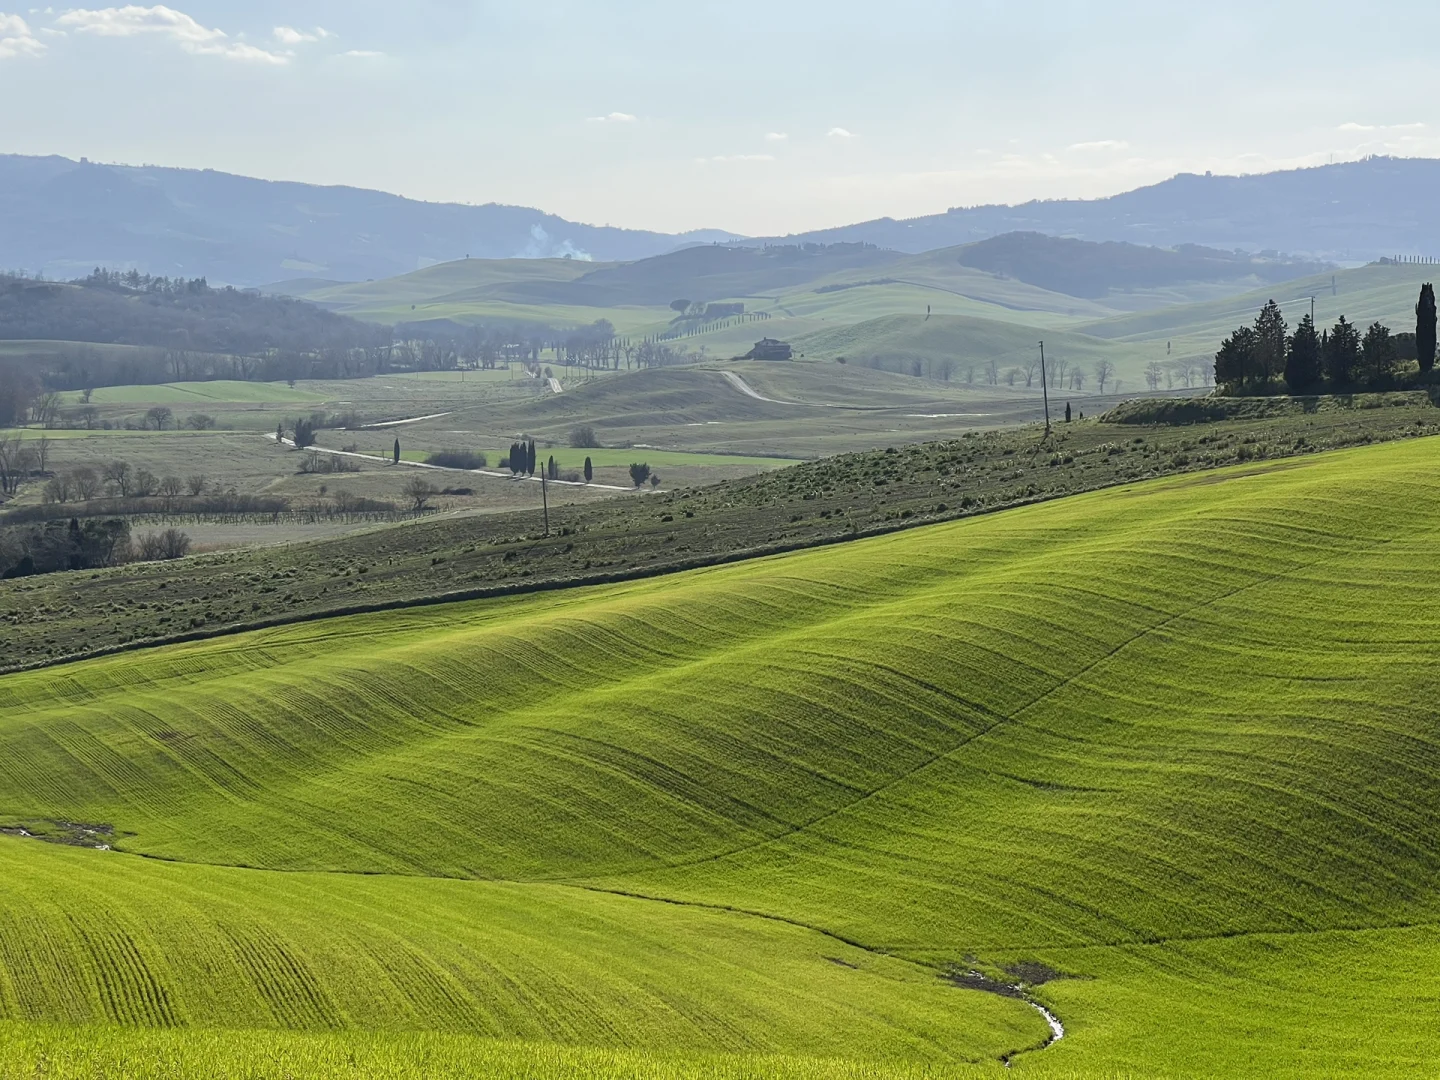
(1270, 342)
(1302, 362)
(1341, 354)
(1425, 327)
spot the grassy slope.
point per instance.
(1363, 295)
(896, 341)
(60, 615)
(446, 279)
(200, 394)
(1176, 739)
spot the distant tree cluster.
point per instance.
(177, 316)
(1266, 355)
(56, 545)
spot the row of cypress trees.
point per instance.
(1340, 358)
(522, 457)
(522, 461)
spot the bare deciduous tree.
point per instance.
(1103, 370)
(117, 477)
(419, 491)
(143, 483)
(84, 483)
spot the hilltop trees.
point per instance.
(1340, 359)
(1425, 327)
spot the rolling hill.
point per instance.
(1164, 752)
(63, 217)
(1349, 212)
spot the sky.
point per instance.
(761, 118)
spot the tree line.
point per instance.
(1262, 356)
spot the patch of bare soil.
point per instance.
(73, 833)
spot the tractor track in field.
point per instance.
(1018, 991)
(999, 720)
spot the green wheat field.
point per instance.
(1168, 754)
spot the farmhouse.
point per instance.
(770, 349)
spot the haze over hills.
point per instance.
(1349, 212)
(64, 217)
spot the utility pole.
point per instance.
(545, 502)
(1045, 389)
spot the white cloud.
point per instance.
(133, 20)
(288, 35)
(16, 38)
(1379, 127)
(776, 136)
(1100, 144)
(613, 118)
(841, 133)
(363, 54)
(737, 157)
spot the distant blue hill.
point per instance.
(1353, 212)
(65, 217)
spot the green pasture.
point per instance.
(199, 394)
(1170, 745)
(67, 434)
(1363, 295)
(448, 278)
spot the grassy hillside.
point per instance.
(1363, 295)
(1172, 742)
(959, 348)
(834, 499)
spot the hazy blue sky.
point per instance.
(758, 117)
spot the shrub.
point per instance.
(457, 459)
(639, 472)
(315, 462)
(169, 544)
(583, 437)
(304, 434)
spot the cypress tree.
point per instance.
(590, 472)
(1341, 354)
(397, 451)
(1269, 342)
(1235, 362)
(530, 458)
(1425, 327)
(1302, 362)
